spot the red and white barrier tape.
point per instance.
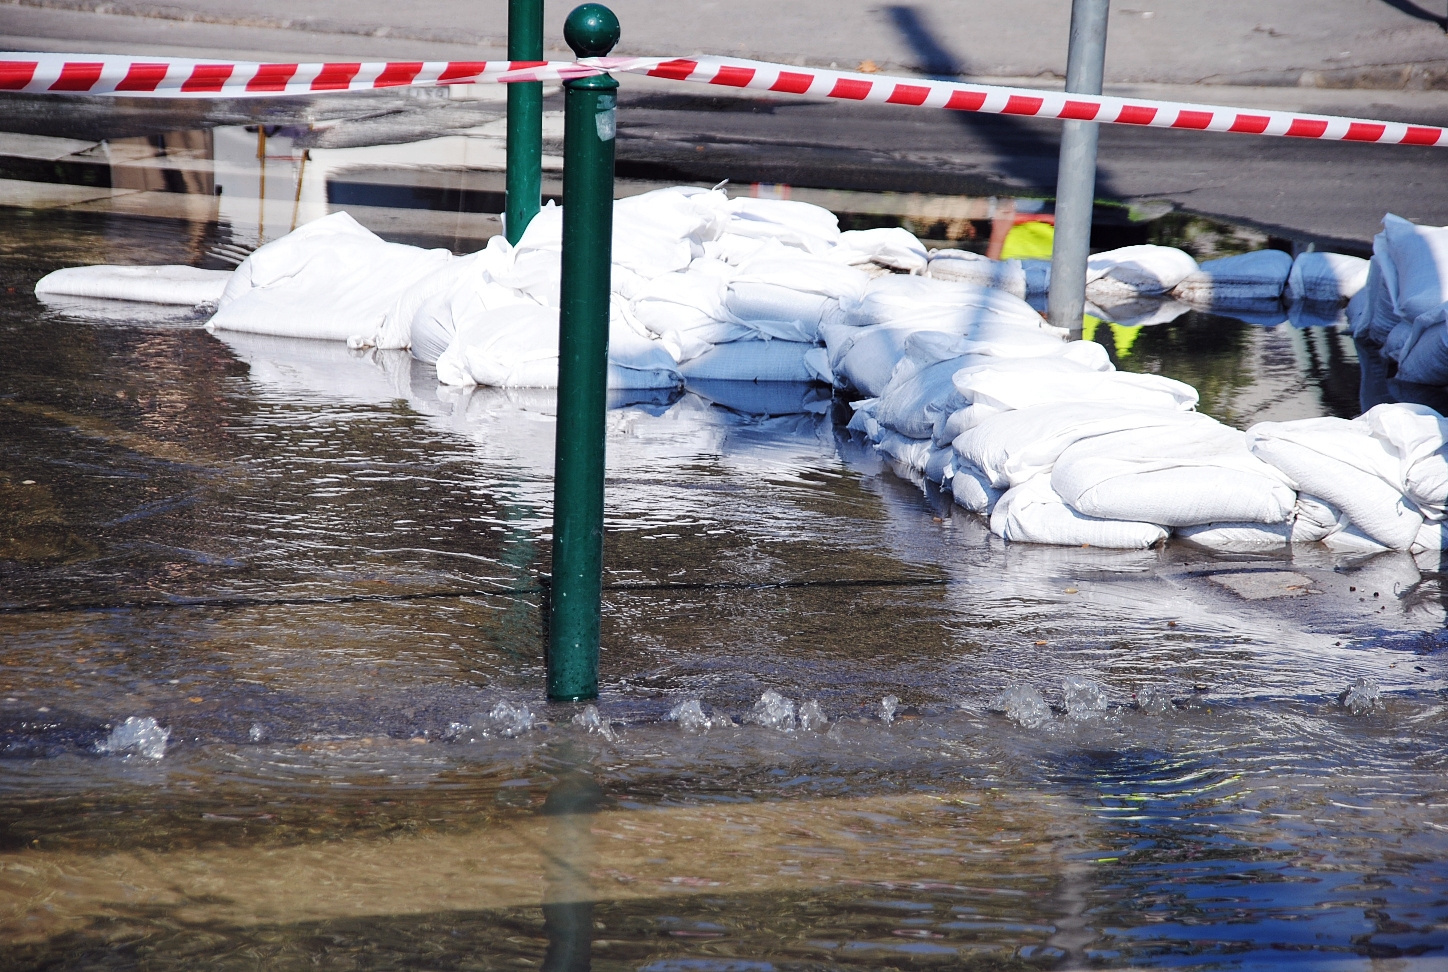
(156, 77)
(105, 74)
(919, 92)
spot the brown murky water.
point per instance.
(318, 572)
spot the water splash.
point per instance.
(141, 736)
(1085, 699)
(812, 718)
(513, 719)
(1023, 704)
(888, 705)
(773, 711)
(690, 715)
(593, 722)
(1361, 697)
(1154, 700)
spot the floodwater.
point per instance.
(318, 574)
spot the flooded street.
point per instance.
(314, 581)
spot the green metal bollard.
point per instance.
(525, 119)
(577, 585)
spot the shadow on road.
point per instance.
(1023, 149)
(1418, 13)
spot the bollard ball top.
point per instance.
(591, 30)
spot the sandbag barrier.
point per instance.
(101, 74)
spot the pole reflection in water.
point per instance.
(568, 894)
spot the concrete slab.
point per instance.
(1261, 585)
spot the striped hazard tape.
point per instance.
(155, 77)
(994, 99)
(104, 74)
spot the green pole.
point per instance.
(577, 586)
(525, 119)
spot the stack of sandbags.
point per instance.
(685, 310)
(888, 247)
(781, 292)
(1404, 305)
(1110, 475)
(424, 317)
(1373, 483)
(870, 335)
(517, 347)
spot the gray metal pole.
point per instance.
(1076, 176)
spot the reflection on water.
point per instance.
(316, 569)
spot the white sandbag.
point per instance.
(863, 358)
(912, 453)
(952, 415)
(329, 279)
(962, 420)
(1371, 311)
(1018, 445)
(993, 339)
(1431, 536)
(1179, 476)
(752, 360)
(517, 347)
(1420, 264)
(915, 401)
(1314, 520)
(1408, 278)
(813, 229)
(1024, 388)
(889, 246)
(1421, 348)
(661, 231)
(963, 266)
(937, 305)
(685, 309)
(1319, 276)
(1311, 521)
(940, 467)
(437, 319)
(786, 294)
(1351, 540)
(735, 250)
(971, 488)
(1033, 513)
(1141, 269)
(989, 347)
(177, 285)
(1419, 437)
(1340, 462)
(1246, 277)
(1230, 537)
(462, 280)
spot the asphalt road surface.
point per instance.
(1331, 192)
